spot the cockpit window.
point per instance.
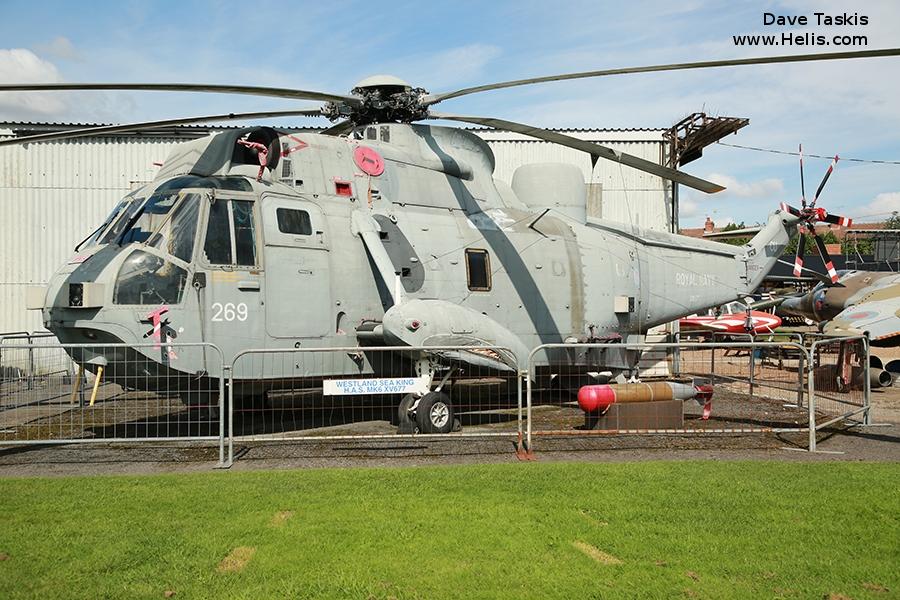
(217, 247)
(176, 236)
(230, 234)
(244, 236)
(92, 239)
(150, 216)
(122, 219)
(145, 278)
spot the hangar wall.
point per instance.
(53, 195)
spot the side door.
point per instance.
(229, 280)
(298, 285)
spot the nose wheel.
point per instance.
(432, 413)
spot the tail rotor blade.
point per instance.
(790, 209)
(826, 258)
(802, 182)
(825, 179)
(801, 249)
(836, 220)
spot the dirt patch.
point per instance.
(874, 587)
(834, 596)
(236, 560)
(169, 594)
(693, 575)
(4, 556)
(281, 517)
(598, 555)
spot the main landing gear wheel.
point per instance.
(434, 414)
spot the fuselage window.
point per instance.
(293, 221)
(230, 234)
(478, 270)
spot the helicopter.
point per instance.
(396, 234)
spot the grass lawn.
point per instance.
(689, 529)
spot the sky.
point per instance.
(849, 108)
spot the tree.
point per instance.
(791, 249)
(866, 245)
(738, 241)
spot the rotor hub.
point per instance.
(384, 99)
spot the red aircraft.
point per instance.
(735, 319)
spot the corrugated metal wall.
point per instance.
(53, 195)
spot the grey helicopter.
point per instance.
(395, 233)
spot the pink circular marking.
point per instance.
(368, 160)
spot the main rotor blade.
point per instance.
(762, 60)
(595, 150)
(147, 125)
(251, 90)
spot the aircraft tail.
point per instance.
(767, 246)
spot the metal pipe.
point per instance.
(519, 414)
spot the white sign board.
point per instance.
(389, 385)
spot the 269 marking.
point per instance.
(229, 311)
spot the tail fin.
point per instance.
(767, 246)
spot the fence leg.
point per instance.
(222, 416)
(867, 385)
(230, 385)
(520, 448)
(801, 367)
(528, 445)
(30, 365)
(752, 366)
(812, 401)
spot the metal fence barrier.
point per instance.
(127, 393)
(839, 380)
(757, 387)
(26, 362)
(120, 393)
(373, 392)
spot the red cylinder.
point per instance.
(593, 398)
